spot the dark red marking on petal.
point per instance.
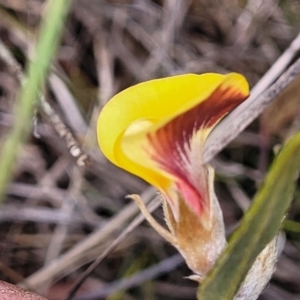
(171, 142)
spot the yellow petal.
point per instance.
(155, 129)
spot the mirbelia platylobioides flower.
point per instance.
(157, 131)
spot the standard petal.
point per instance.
(157, 129)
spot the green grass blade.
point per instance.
(50, 31)
(260, 224)
(291, 226)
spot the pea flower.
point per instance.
(157, 130)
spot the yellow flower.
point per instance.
(157, 131)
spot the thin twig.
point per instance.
(68, 105)
(67, 208)
(261, 95)
(69, 261)
(63, 131)
(172, 13)
(159, 269)
(17, 213)
(136, 222)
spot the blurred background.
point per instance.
(61, 213)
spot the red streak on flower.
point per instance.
(171, 143)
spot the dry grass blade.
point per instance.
(161, 268)
(239, 119)
(131, 226)
(72, 259)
